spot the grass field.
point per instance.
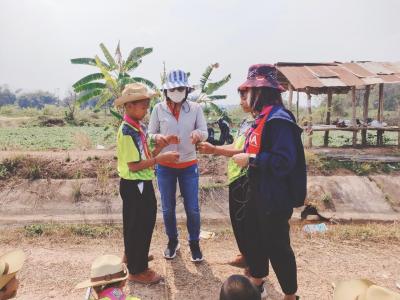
(64, 138)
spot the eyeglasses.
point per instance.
(179, 89)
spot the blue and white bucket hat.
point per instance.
(177, 78)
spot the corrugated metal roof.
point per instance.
(342, 76)
(357, 70)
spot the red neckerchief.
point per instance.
(137, 126)
(253, 137)
(172, 107)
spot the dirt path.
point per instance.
(56, 263)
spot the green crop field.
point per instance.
(65, 138)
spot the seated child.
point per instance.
(10, 264)
(108, 276)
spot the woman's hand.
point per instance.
(195, 136)
(206, 148)
(172, 139)
(168, 157)
(161, 140)
(241, 159)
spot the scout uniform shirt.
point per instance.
(234, 171)
(130, 148)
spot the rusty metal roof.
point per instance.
(317, 78)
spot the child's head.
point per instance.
(137, 110)
(135, 99)
(107, 271)
(239, 287)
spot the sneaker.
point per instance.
(263, 291)
(197, 256)
(172, 247)
(146, 277)
(239, 262)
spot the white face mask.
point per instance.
(176, 96)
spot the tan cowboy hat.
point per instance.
(133, 92)
(362, 289)
(105, 269)
(10, 264)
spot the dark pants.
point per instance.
(268, 240)
(139, 217)
(237, 204)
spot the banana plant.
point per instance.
(111, 77)
(208, 88)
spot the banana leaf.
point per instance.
(216, 108)
(110, 81)
(213, 86)
(108, 56)
(137, 53)
(90, 95)
(146, 82)
(130, 66)
(88, 61)
(205, 77)
(90, 86)
(217, 97)
(104, 98)
(116, 114)
(88, 78)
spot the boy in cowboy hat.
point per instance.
(10, 264)
(107, 278)
(135, 167)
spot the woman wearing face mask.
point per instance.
(274, 155)
(185, 121)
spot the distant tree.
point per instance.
(36, 99)
(70, 103)
(7, 97)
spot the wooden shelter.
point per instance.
(340, 78)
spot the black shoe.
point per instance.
(197, 256)
(172, 247)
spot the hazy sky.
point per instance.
(38, 37)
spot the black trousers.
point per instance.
(268, 240)
(237, 205)
(139, 211)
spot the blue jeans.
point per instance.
(188, 179)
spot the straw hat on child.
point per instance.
(362, 289)
(10, 264)
(105, 269)
(134, 92)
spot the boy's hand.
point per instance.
(161, 140)
(206, 148)
(172, 139)
(241, 159)
(195, 136)
(168, 157)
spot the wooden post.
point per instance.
(290, 97)
(379, 133)
(353, 106)
(398, 117)
(328, 116)
(365, 114)
(309, 121)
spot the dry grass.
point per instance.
(82, 141)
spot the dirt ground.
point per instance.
(56, 262)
